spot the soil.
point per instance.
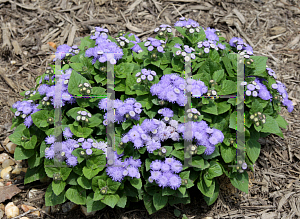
(271, 27)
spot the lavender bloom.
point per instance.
(63, 50)
(50, 139)
(174, 182)
(67, 133)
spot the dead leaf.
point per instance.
(7, 192)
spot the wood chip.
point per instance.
(294, 41)
(133, 28)
(100, 21)
(243, 34)
(239, 15)
(7, 80)
(71, 36)
(17, 48)
(284, 199)
(132, 6)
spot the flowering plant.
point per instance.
(151, 137)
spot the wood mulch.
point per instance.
(272, 27)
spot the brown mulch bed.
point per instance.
(271, 27)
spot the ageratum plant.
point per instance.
(149, 118)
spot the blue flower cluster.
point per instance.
(63, 150)
(129, 109)
(271, 73)
(171, 88)
(103, 47)
(66, 50)
(183, 53)
(153, 43)
(209, 44)
(120, 169)
(183, 22)
(136, 48)
(241, 46)
(24, 110)
(49, 91)
(146, 73)
(163, 28)
(152, 132)
(203, 135)
(165, 174)
(212, 34)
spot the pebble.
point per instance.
(11, 147)
(24, 218)
(1, 184)
(5, 173)
(66, 207)
(33, 193)
(1, 213)
(26, 208)
(1, 148)
(7, 163)
(84, 210)
(18, 170)
(3, 157)
(2, 207)
(11, 210)
(46, 209)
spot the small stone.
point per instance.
(33, 193)
(68, 206)
(47, 209)
(24, 218)
(1, 184)
(11, 147)
(5, 173)
(11, 210)
(8, 183)
(17, 171)
(1, 148)
(26, 208)
(1, 213)
(84, 210)
(7, 163)
(3, 157)
(2, 207)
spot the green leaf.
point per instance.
(159, 201)
(223, 107)
(207, 191)
(122, 201)
(228, 87)
(213, 155)
(256, 107)
(16, 136)
(84, 182)
(74, 81)
(281, 122)
(76, 66)
(271, 125)
(77, 195)
(93, 205)
(111, 200)
(51, 199)
(112, 185)
(22, 154)
(198, 162)
(178, 154)
(210, 108)
(40, 118)
(81, 132)
(148, 202)
(228, 153)
(136, 183)
(233, 120)
(96, 162)
(240, 181)
(210, 200)
(218, 75)
(58, 187)
(252, 149)
(34, 160)
(214, 56)
(260, 65)
(34, 174)
(126, 124)
(43, 146)
(98, 91)
(214, 170)
(72, 179)
(89, 173)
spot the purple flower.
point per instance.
(28, 121)
(50, 139)
(132, 171)
(156, 165)
(160, 49)
(156, 43)
(88, 151)
(150, 48)
(209, 150)
(163, 181)
(116, 173)
(63, 50)
(174, 182)
(206, 50)
(67, 133)
(86, 145)
(264, 94)
(72, 161)
(165, 167)
(248, 93)
(49, 153)
(251, 87)
(176, 166)
(155, 175)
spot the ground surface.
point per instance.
(273, 30)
